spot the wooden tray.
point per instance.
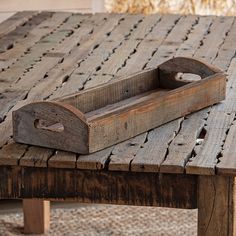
(99, 117)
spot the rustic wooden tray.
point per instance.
(99, 117)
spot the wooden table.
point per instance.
(187, 163)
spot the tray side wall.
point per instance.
(111, 129)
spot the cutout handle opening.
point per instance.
(49, 125)
(187, 77)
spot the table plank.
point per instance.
(9, 40)
(226, 160)
(37, 32)
(191, 127)
(11, 153)
(157, 151)
(149, 44)
(35, 156)
(219, 121)
(80, 75)
(16, 20)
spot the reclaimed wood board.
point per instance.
(108, 47)
(100, 117)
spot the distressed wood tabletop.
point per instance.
(51, 54)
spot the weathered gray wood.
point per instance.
(173, 41)
(190, 132)
(11, 153)
(38, 32)
(40, 118)
(187, 136)
(154, 150)
(58, 73)
(217, 126)
(9, 40)
(149, 45)
(113, 92)
(167, 22)
(107, 27)
(159, 151)
(227, 164)
(123, 153)
(101, 51)
(216, 206)
(166, 30)
(119, 33)
(36, 156)
(37, 65)
(115, 112)
(221, 27)
(196, 36)
(113, 187)
(46, 86)
(96, 160)
(62, 160)
(16, 20)
(154, 112)
(225, 53)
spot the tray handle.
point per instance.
(167, 71)
(51, 124)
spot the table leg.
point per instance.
(36, 216)
(216, 206)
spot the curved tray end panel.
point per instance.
(51, 124)
(192, 67)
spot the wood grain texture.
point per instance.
(62, 160)
(11, 153)
(36, 156)
(16, 20)
(216, 206)
(113, 187)
(57, 74)
(163, 27)
(217, 126)
(187, 149)
(71, 120)
(114, 112)
(45, 87)
(36, 216)
(227, 163)
(158, 40)
(159, 151)
(9, 40)
(30, 68)
(33, 36)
